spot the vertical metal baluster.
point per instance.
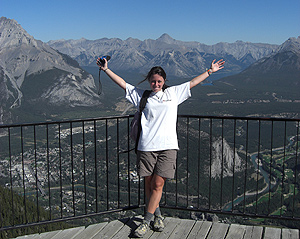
(222, 165)
(199, 160)
(84, 167)
(210, 168)
(72, 167)
(60, 171)
(95, 160)
(48, 170)
(257, 175)
(107, 169)
(118, 162)
(128, 163)
(246, 165)
(10, 173)
(187, 161)
(283, 169)
(233, 166)
(36, 174)
(270, 166)
(23, 173)
(296, 163)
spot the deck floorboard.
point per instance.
(174, 228)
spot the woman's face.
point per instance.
(156, 82)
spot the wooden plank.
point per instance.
(110, 230)
(128, 229)
(290, 233)
(218, 230)
(32, 236)
(91, 231)
(236, 231)
(171, 224)
(200, 230)
(49, 235)
(69, 233)
(46, 235)
(158, 234)
(272, 233)
(253, 232)
(182, 229)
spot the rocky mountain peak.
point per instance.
(24, 58)
(12, 34)
(166, 39)
(292, 44)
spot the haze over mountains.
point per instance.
(37, 77)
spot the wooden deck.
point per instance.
(174, 228)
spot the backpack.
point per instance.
(135, 125)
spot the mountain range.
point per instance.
(178, 58)
(280, 69)
(37, 77)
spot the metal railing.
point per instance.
(76, 169)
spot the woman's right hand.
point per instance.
(101, 66)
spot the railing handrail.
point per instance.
(65, 121)
(131, 115)
(239, 117)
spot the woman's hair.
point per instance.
(159, 71)
(156, 70)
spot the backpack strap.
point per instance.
(142, 105)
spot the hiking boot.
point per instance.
(158, 224)
(141, 230)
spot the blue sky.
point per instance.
(205, 21)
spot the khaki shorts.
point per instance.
(162, 163)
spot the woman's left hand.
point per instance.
(217, 66)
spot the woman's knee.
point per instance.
(157, 182)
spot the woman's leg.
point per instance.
(148, 188)
(154, 186)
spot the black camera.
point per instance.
(101, 61)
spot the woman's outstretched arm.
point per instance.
(213, 68)
(117, 79)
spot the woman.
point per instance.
(158, 145)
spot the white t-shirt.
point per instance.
(159, 117)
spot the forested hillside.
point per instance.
(21, 212)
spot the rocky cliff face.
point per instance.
(182, 59)
(24, 58)
(10, 95)
(223, 154)
(222, 161)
